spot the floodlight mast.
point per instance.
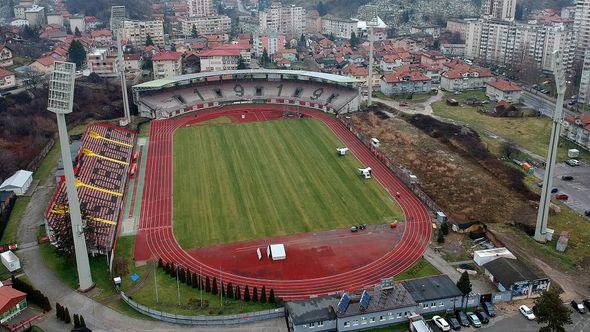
(61, 101)
(117, 21)
(543, 212)
(370, 16)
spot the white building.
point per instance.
(200, 8)
(499, 9)
(485, 256)
(167, 64)
(285, 19)
(582, 27)
(272, 42)
(77, 21)
(584, 92)
(219, 59)
(19, 12)
(35, 15)
(339, 27)
(55, 18)
(6, 58)
(577, 129)
(499, 89)
(103, 62)
(136, 32)
(18, 183)
(459, 77)
(7, 79)
(206, 25)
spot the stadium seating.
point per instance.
(173, 101)
(102, 168)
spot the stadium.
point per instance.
(243, 181)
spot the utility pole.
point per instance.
(370, 16)
(543, 212)
(117, 21)
(156, 284)
(61, 102)
(221, 284)
(177, 285)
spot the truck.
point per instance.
(418, 324)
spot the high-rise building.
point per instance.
(500, 9)
(200, 8)
(582, 26)
(206, 25)
(285, 19)
(584, 93)
(136, 32)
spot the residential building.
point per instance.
(389, 62)
(35, 16)
(200, 8)
(272, 42)
(432, 58)
(219, 59)
(459, 76)
(499, 89)
(459, 26)
(515, 276)
(167, 64)
(453, 50)
(132, 61)
(432, 30)
(136, 32)
(12, 302)
(19, 11)
(103, 62)
(206, 25)
(434, 294)
(45, 64)
(55, 18)
(282, 18)
(102, 36)
(7, 79)
(499, 9)
(405, 80)
(77, 22)
(584, 91)
(577, 129)
(314, 314)
(5, 56)
(338, 27)
(313, 22)
(582, 27)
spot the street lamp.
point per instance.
(369, 14)
(560, 86)
(117, 21)
(61, 102)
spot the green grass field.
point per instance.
(236, 182)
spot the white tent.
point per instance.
(277, 252)
(19, 182)
(482, 257)
(10, 261)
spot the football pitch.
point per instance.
(235, 182)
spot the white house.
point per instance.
(19, 182)
(499, 89)
(5, 56)
(7, 79)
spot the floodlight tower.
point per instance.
(117, 18)
(61, 102)
(560, 85)
(370, 16)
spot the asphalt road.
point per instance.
(541, 103)
(578, 189)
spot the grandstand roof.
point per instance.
(162, 83)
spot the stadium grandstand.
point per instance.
(165, 98)
(101, 171)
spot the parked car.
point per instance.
(489, 308)
(526, 312)
(578, 306)
(403, 103)
(554, 190)
(454, 323)
(587, 303)
(567, 178)
(587, 213)
(462, 317)
(441, 323)
(483, 317)
(561, 197)
(473, 319)
(572, 162)
(353, 229)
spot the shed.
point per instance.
(12, 302)
(482, 257)
(515, 276)
(19, 182)
(10, 261)
(276, 252)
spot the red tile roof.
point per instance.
(10, 297)
(505, 86)
(5, 73)
(220, 52)
(167, 56)
(400, 76)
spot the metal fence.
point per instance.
(203, 319)
(400, 172)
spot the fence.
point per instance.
(203, 319)
(34, 164)
(401, 173)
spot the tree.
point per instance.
(331, 36)
(552, 311)
(241, 63)
(77, 32)
(255, 294)
(30, 33)
(263, 294)
(301, 43)
(321, 8)
(182, 275)
(464, 284)
(238, 295)
(444, 228)
(230, 291)
(354, 41)
(264, 59)
(246, 294)
(271, 296)
(120, 266)
(58, 311)
(207, 285)
(440, 237)
(82, 322)
(508, 149)
(67, 318)
(76, 321)
(194, 32)
(77, 55)
(214, 289)
(149, 41)
(160, 262)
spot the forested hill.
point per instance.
(136, 9)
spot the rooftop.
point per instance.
(431, 288)
(312, 310)
(509, 271)
(504, 85)
(9, 297)
(167, 56)
(380, 300)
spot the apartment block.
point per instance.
(206, 25)
(286, 19)
(136, 32)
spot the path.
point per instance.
(97, 316)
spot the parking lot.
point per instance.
(578, 189)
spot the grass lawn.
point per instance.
(237, 182)
(422, 268)
(10, 233)
(531, 133)
(48, 163)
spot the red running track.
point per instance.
(155, 238)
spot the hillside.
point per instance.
(136, 9)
